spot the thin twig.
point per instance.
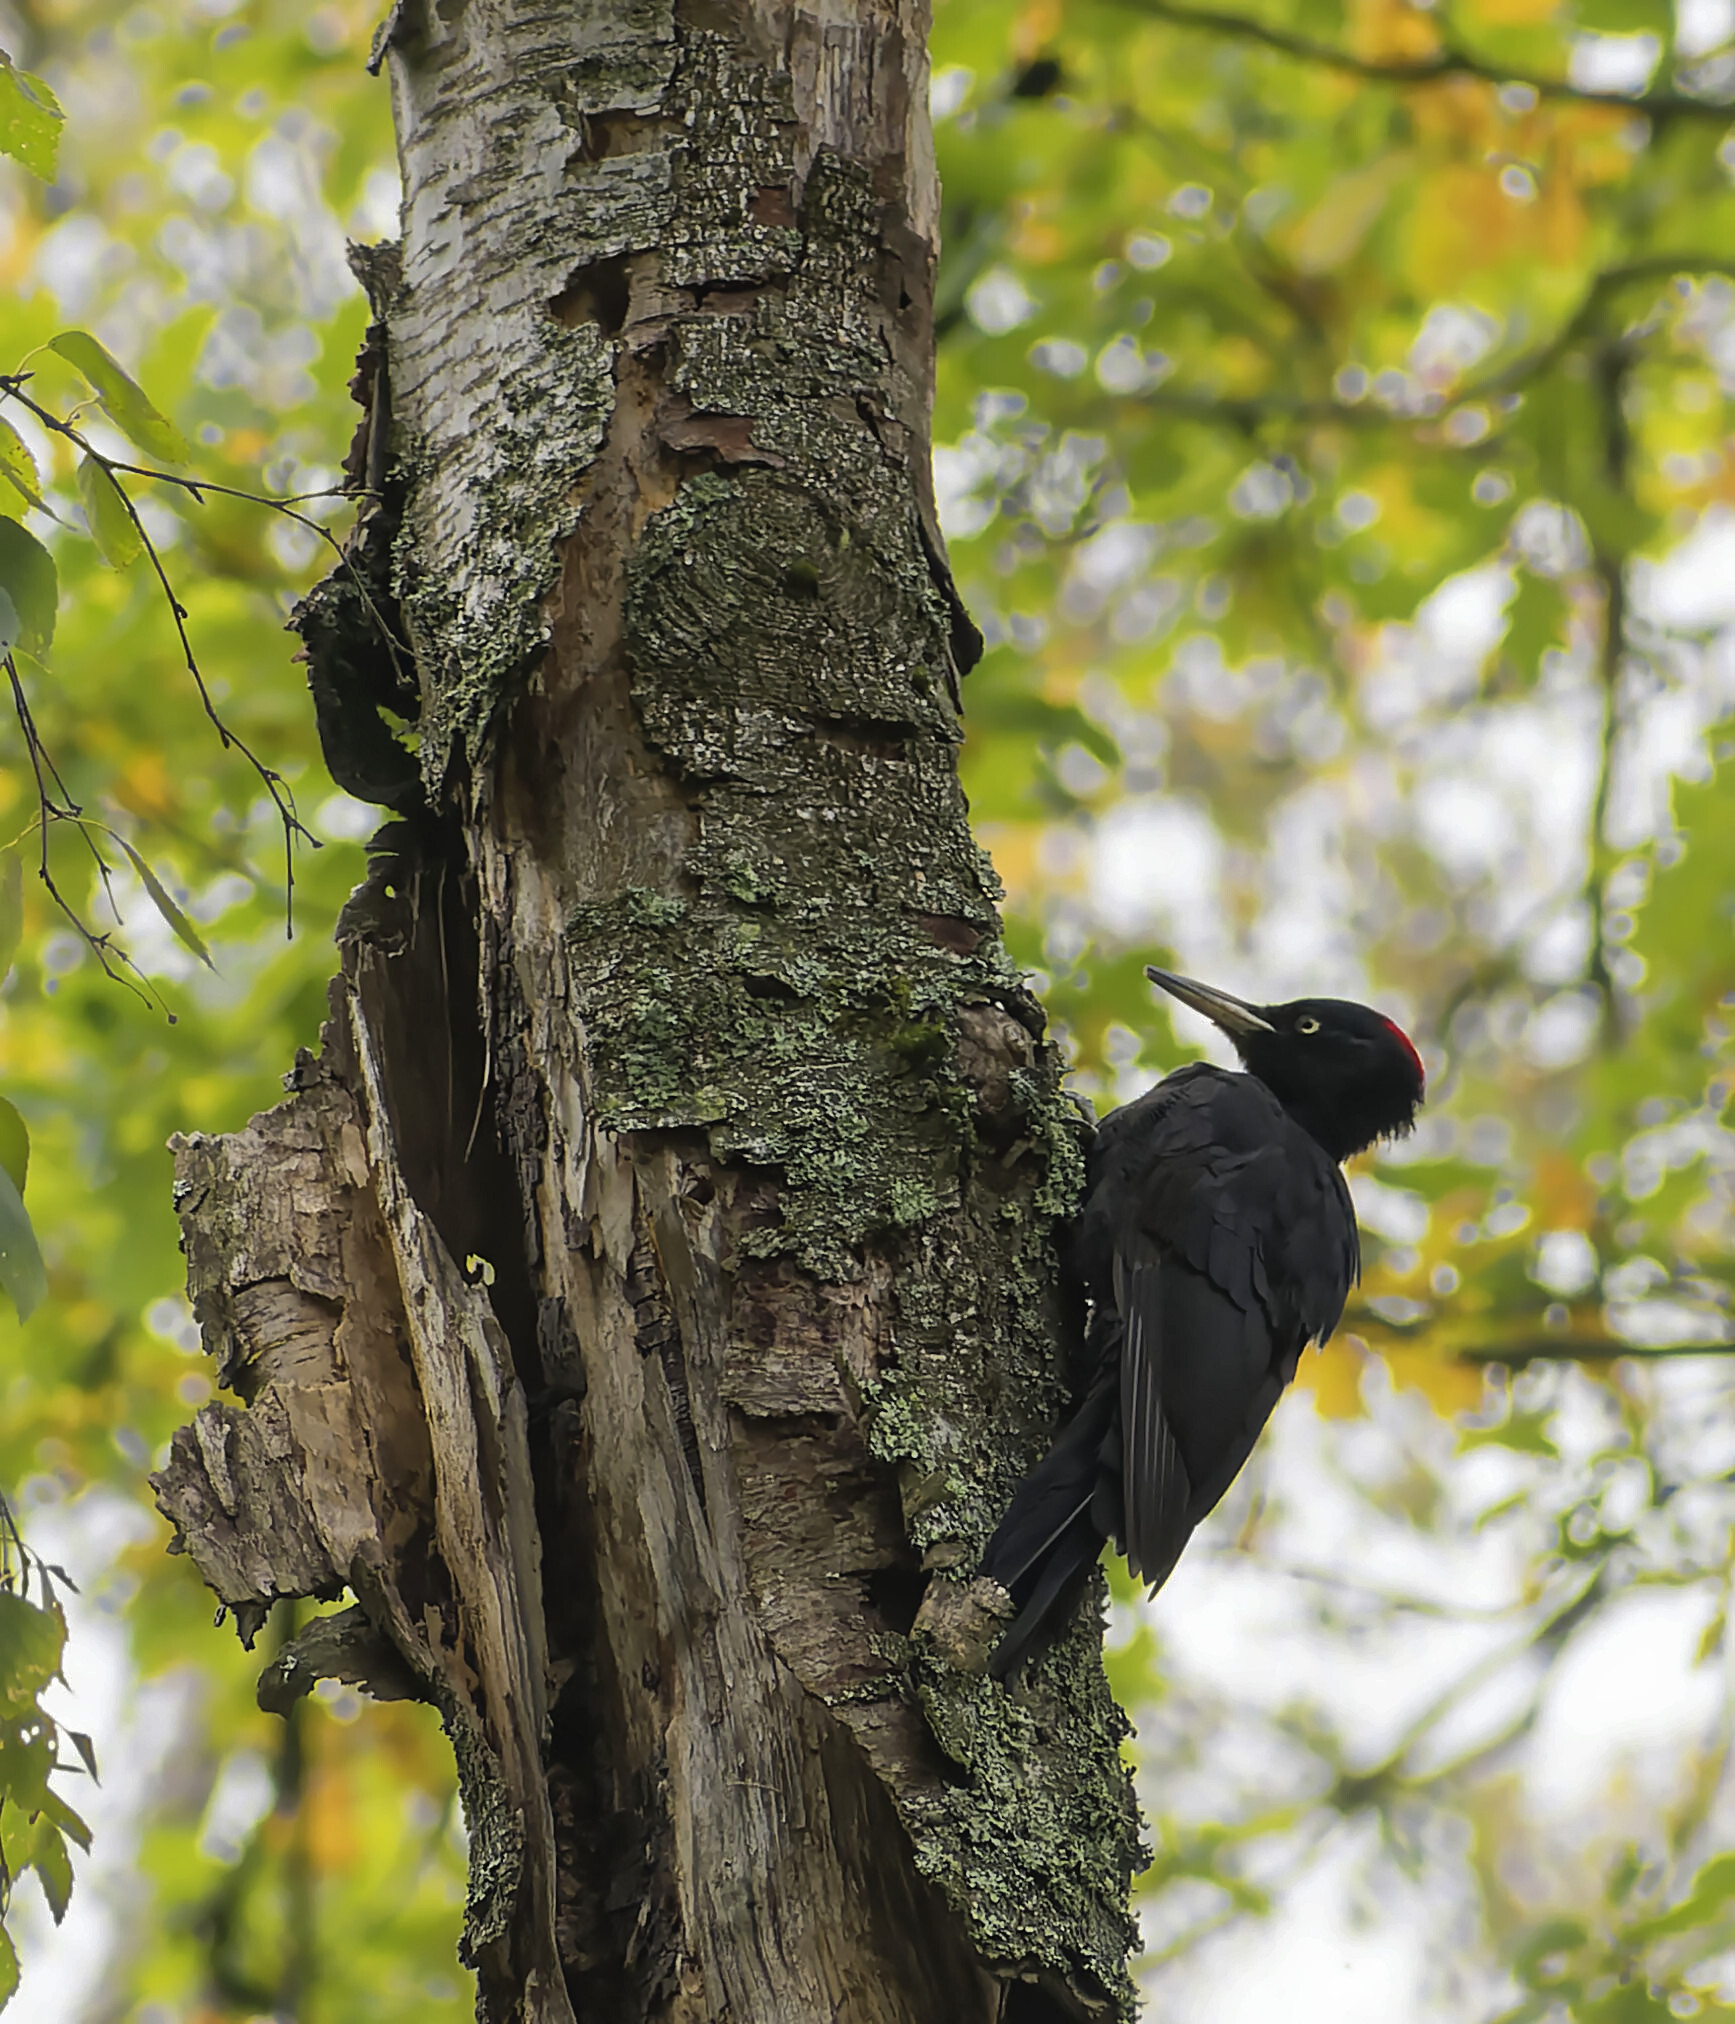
(282, 796)
(50, 811)
(1386, 1598)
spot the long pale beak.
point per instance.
(1228, 1014)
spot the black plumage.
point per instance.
(1216, 1241)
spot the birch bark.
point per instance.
(650, 1290)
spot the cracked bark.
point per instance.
(650, 1289)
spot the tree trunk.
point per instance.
(652, 1284)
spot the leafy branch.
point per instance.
(1252, 411)
(120, 533)
(54, 804)
(36, 1824)
(29, 596)
(1450, 60)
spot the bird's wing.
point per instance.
(1200, 1374)
(1156, 1489)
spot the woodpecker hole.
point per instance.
(947, 931)
(896, 1592)
(599, 294)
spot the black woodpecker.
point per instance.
(1217, 1240)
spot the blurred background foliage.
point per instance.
(1333, 439)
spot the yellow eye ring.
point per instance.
(1307, 1024)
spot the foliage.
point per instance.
(36, 1823)
(1332, 441)
(1332, 435)
(181, 289)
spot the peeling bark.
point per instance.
(651, 1288)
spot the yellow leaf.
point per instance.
(1518, 13)
(1036, 29)
(1333, 1376)
(1560, 220)
(1393, 31)
(1450, 1385)
(1461, 223)
(1564, 1196)
(1332, 232)
(1036, 241)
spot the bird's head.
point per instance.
(1345, 1072)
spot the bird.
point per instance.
(1215, 1241)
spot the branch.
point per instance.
(1361, 1591)
(1450, 61)
(1652, 267)
(1609, 568)
(1250, 411)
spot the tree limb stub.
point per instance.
(652, 1288)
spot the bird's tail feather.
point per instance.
(1047, 1543)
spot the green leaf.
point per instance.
(8, 1968)
(31, 582)
(22, 1272)
(1536, 620)
(11, 909)
(17, 466)
(1525, 1432)
(14, 1144)
(69, 1823)
(184, 929)
(1633, 2002)
(1332, 232)
(26, 1764)
(30, 120)
(1712, 1889)
(17, 1829)
(1627, 17)
(31, 1640)
(125, 400)
(52, 1864)
(84, 1746)
(107, 516)
(1556, 1936)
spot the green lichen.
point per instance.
(911, 1202)
(1075, 1827)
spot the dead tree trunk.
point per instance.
(651, 1286)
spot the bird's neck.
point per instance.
(1339, 1127)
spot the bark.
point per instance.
(650, 1290)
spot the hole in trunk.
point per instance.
(599, 294)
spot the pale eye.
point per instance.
(1307, 1024)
